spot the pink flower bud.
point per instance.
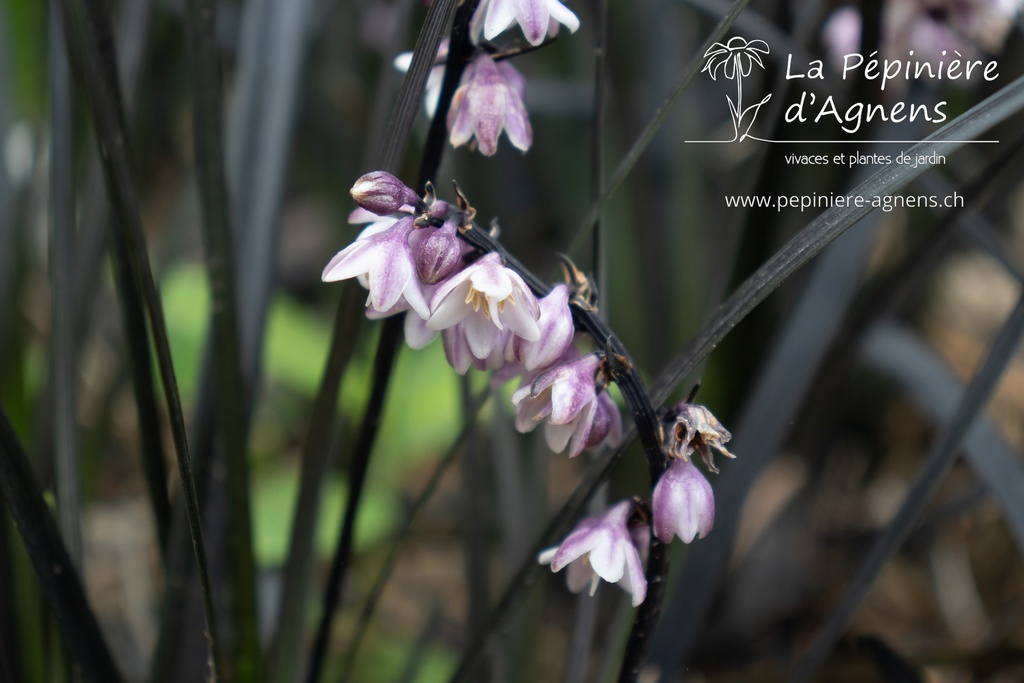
(382, 193)
(439, 254)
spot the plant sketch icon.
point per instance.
(735, 59)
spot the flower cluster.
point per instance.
(682, 505)
(489, 99)
(411, 259)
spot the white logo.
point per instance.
(735, 60)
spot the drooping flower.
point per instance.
(601, 548)
(556, 332)
(489, 100)
(692, 429)
(683, 504)
(384, 263)
(537, 18)
(486, 301)
(566, 399)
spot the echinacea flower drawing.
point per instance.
(736, 59)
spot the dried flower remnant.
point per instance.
(693, 428)
(604, 547)
(683, 503)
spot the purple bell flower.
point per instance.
(601, 548)
(566, 399)
(489, 100)
(384, 263)
(556, 332)
(683, 504)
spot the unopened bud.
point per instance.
(382, 193)
(439, 254)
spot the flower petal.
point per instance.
(355, 259)
(460, 123)
(456, 350)
(608, 557)
(580, 542)
(500, 14)
(481, 335)
(563, 15)
(557, 436)
(449, 307)
(634, 580)
(417, 334)
(532, 16)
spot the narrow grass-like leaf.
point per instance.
(904, 356)
(287, 649)
(396, 138)
(62, 236)
(57, 576)
(272, 56)
(272, 53)
(230, 385)
(92, 51)
(12, 631)
(90, 247)
(938, 462)
(373, 598)
(387, 351)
